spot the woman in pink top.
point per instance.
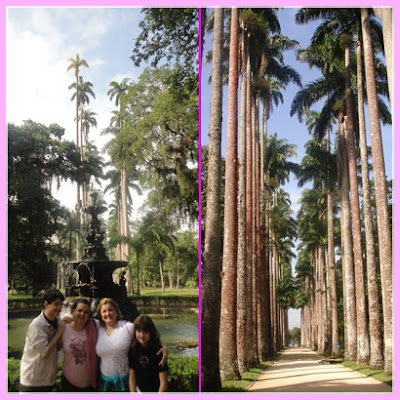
(78, 342)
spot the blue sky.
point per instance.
(280, 121)
(40, 40)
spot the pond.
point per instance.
(178, 327)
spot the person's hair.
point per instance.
(113, 303)
(52, 295)
(80, 301)
(146, 324)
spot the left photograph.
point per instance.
(103, 199)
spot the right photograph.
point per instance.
(296, 175)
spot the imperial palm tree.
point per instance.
(211, 295)
(227, 348)
(76, 64)
(384, 232)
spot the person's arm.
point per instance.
(53, 342)
(164, 352)
(163, 381)
(132, 380)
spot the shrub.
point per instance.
(13, 375)
(183, 374)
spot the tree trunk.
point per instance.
(249, 214)
(242, 336)
(160, 264)
(386, 14)
(137, 274)
(347, 248)
(254, 268)
(361, 307)
(384, 232)
(263, 290)
(227, 346)
(376, 356)
(211, 280)
(332, 279)
(125, 227)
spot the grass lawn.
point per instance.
(185, 292)
(23, 297)
(377, 374)
(148, 292)
(248, 377)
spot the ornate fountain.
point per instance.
(92, 276)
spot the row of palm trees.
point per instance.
(258, 231)
(335, 37)
(252, 261)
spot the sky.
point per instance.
(40, 40)
(280, 121)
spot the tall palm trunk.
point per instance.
(243, 360)
(347, 245)
(376, 356)
(254, 260)
(264, 336)
(361, 308)
(211, 294)
(227, 348)
(332, 279)
(384, 233)
(125, 228)
(386, 14)
(249, 213)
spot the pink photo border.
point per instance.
(181, 3)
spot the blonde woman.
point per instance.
(114, 340)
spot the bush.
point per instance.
(183, 374)
(13, 375)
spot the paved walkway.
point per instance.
(298, 370)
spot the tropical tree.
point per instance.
(211, 295)
(384, 232)
(76, 64)
(227, 346)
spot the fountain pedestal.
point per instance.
(92, 276)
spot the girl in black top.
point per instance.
(145, 370)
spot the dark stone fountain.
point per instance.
(92, 276)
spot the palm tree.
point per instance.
(386, 14)
(76, 64)
(118, 89)
(88, 120)
(227, 348)
(319, 165)
(374, 309)
(211, 295)
(384, 233)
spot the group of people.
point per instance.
(104, 354)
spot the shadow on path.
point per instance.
(299, 370)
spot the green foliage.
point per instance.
(39, 229)
(169, 34)
(183, 374)
(246, 378)
(13, 374)
(377, 374)
(36, 155)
